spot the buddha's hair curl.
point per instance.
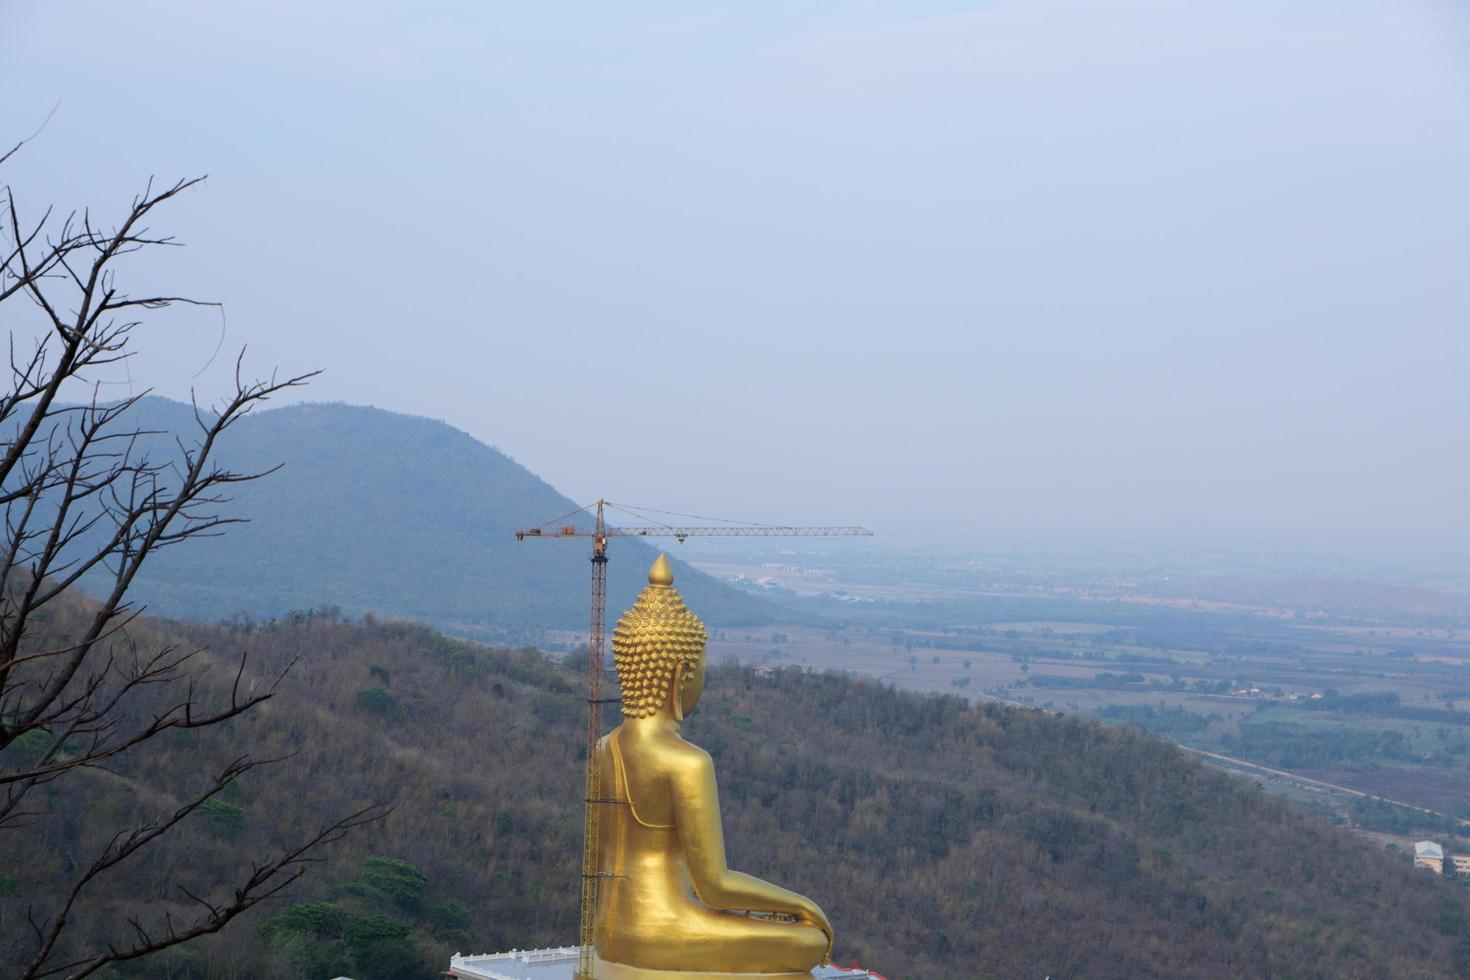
(649, 643)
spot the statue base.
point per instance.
(621, 971)
(560, 963)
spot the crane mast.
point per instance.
(596, 672)
(596, 633)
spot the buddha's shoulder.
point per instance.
(667, 752)
(684, 755)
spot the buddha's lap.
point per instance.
(702, 933)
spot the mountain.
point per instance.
(944, 840)
(394, 514)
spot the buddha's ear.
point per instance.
(676, 692)
(688, 687)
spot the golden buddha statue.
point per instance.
(669, 906)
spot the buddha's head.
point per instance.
(658, 649)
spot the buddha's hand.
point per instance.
(809, 913)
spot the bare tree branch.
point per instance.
(87, 498)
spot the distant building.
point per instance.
(789, 569)
(1428, 854)
(1461, 863)
(559, 963)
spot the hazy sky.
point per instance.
(1122, 272)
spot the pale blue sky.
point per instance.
(1123, 272)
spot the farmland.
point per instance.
(1364, 686)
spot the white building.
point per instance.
(1461, 863)
(524, 964)
(1428, 854)
(559, 963)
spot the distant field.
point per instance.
(870, 654)
(1226, 664)
(1432, 788)
(1175, 666)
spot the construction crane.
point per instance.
(600, 533)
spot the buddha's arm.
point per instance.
(701, 834)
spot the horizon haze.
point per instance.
(1118, 274)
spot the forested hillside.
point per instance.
(944, 840)
(400, 515)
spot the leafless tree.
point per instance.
(87, 498)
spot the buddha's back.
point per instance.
(649, 891)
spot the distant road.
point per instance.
(1334, 787)
(1274, 773)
